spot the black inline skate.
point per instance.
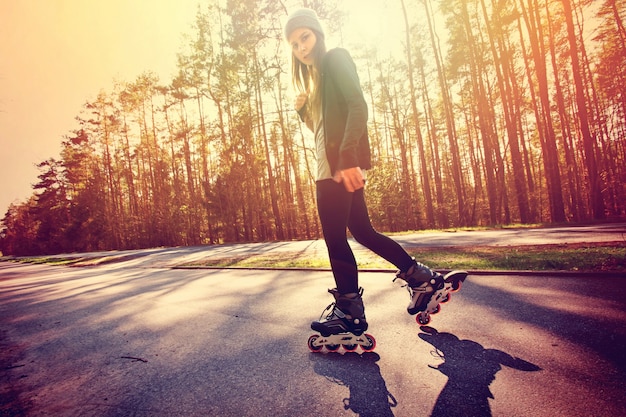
(342, 323)
(428, 289)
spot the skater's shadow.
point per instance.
(369, 396)
(470, 369)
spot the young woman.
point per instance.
(332, 105)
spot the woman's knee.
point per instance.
(365, 236)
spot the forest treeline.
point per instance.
(495, 112)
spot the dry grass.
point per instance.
(573, 257)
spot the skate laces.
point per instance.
(332, 308)
(334, 311)
(405, 285)
(421, 287)
(426, 276)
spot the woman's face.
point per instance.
(302, 41)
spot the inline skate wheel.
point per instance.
(422, 321)
(372, 343)
(349, 348)
(445, 299)
(437, 309)
(312, 340)
(332, 348)
(456, 285)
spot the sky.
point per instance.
(55, 55)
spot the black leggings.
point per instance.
(338, 209)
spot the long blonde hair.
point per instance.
(308, 78)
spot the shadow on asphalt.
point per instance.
(470, 369)
(586, 312)
(369, 396)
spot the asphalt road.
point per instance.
(135, 339)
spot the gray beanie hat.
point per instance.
(303, 18)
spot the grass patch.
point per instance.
(572, 257)
(469, 229)
(47, 260)
(594, 257)
(282, 260)
(70, 260)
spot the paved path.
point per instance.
(124, 339)
(168, 257)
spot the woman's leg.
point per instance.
(362, 230)
(333, 206)
(422, 282)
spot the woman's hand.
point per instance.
(301, 101)
(352, 179)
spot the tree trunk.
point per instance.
(589, 142)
